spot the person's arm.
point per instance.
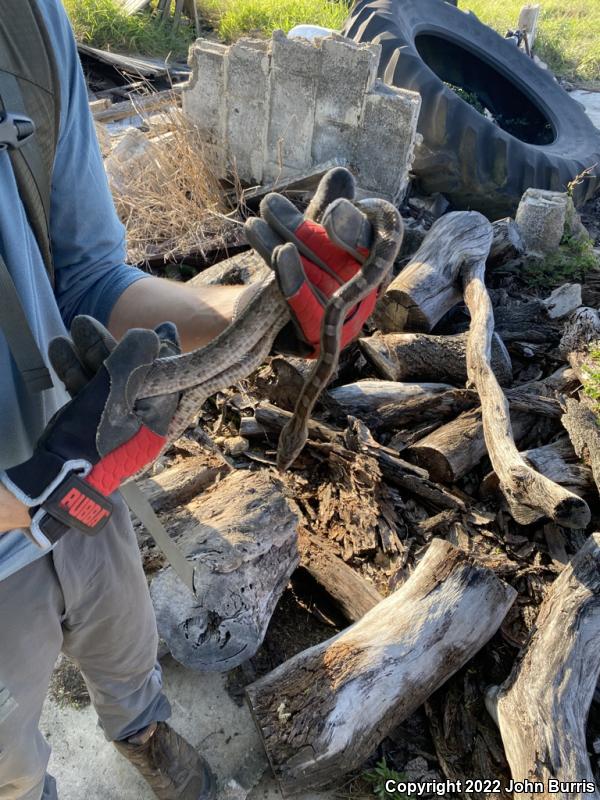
(200, 313)
(88, 240)
(13, 513)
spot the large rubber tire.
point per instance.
(464, 154)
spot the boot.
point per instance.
(169, 764)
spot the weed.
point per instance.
(573, 259)
(379, 776)
(102, 23)
(591, 381)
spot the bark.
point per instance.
(507, 242)
(323, 712)
(178, 484)
(581, 330)
(429, 285)
(351, 593)
(366, 397)
(581, 423)
(242, 538)
(542, 707)
(423, 357)
(529, 494)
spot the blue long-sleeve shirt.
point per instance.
(88, 243)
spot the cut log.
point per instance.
(507, 242)
(242, 537)
(423, 357)
(365, 397)
(529, 494)
(557, 461)
(582, 426)
(429, 285)
(323, 712)
(179, 484)
(542, 707)
(350, 592)
(423, 410)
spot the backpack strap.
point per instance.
(29, 86)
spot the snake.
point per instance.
(244, 345)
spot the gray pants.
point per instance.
(88, 598)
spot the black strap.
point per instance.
(30, 170)
(18, 334)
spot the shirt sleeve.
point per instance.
(88, 240)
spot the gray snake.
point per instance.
(243, 346)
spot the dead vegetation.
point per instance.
(166, 192)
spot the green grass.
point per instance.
(235, 18)
(592, 381)
(567, 38)
(101, 23)
(567, 32)
(378, 777)
(573, 259)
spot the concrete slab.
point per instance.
(591, 102)
(86, 766)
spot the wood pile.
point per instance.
(439, 521)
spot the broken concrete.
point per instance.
(274, 110)
(541, 218)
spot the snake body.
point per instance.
(244, 345)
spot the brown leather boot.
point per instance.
(169, 764)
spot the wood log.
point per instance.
(423, 357)
(429, 285)
(365, 397)
(323, 712)
(581, 330)
(542, 707)
(423, 410)
(139, 105)
(179, 484)
(395, 470)
(529, 494)
(581, 423)
(507, 242)
(241, 536)
(557, 461)
(351, 593)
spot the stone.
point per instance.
(541, 218)
(295, 73)
(564, 300)
(247, 96)
(281, 109)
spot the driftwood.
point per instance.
(423, 357)
(429, 285)
(394, 469)
(529, 494)
(507, 242)
(178, 484)
(351, 593)
(241, 536)
(542, 707)
(581, 423)
(365, 397)
(324, 711)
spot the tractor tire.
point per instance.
(546, 138)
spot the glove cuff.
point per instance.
(33, 481)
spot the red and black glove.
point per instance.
(102, 437)
(329, 245)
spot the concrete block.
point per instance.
(294, 79)
(203, 96)
(386, 140)
(247, 107)
(541, 218)
(348, 72)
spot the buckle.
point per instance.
(15, 130)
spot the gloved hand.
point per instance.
(332, 240)
(102, 437)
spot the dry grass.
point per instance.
(166, 193)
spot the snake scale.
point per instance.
(243, 346)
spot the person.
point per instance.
(80, 594)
